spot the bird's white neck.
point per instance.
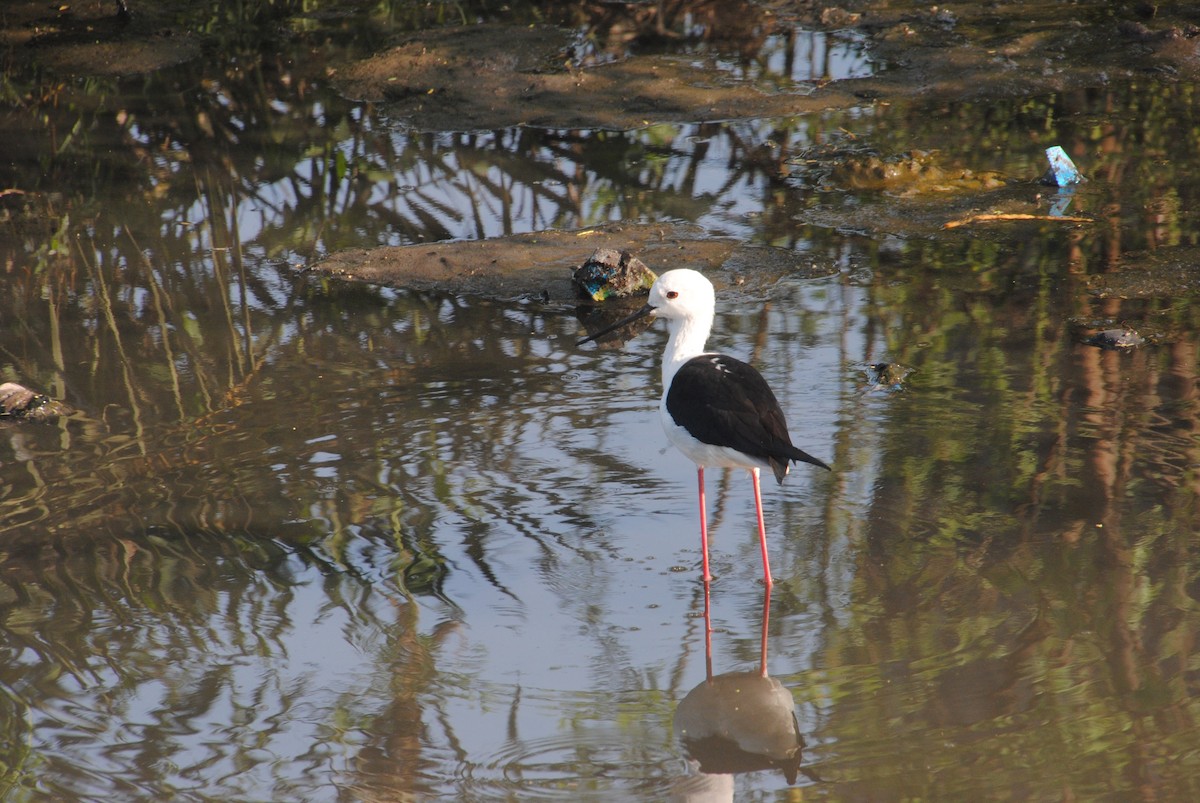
(687, 338)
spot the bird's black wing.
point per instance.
(723, 401)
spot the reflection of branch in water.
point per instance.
(393, 764)
(150, 633)
(100, 287)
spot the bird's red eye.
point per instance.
(672, 294)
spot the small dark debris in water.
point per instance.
(1062, 171)
(1116, 339)
(18, 402)
(609, 273)
(886, 376)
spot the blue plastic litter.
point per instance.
(1062, 172)
(1062, 200)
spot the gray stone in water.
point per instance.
(21, 403)
(612, 273)
(1116, 339)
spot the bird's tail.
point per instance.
(780, 466)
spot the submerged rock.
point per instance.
(886, 376)
(19, 402)
(1124, 338)
(907, 174)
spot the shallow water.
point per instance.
(308, 540)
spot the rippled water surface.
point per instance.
(309, 540)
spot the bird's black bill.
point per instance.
(642, 313)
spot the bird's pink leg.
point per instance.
(703, 525)
(766, 619)
(762, 531)
(708, 631)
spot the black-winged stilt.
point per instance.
(717, 410)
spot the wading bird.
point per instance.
(716, 409)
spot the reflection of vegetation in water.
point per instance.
(317, 174)
(1024, 542)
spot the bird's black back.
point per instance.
(723, 401)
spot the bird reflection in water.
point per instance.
(736, 722)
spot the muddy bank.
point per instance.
(497, 75)
(538, 265)
(92, 38)
(591, 64)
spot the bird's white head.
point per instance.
(686, 300)
(683, 294)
